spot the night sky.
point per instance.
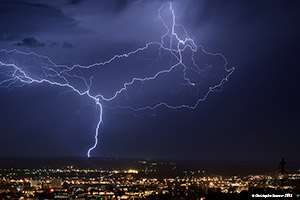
(256, 116)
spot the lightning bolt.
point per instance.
(40, 69)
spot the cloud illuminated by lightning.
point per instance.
(19, 68)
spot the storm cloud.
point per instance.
(30, 42)
(23, 18)
(67, 45)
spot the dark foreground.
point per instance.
(111, 178)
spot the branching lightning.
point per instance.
(15, 74)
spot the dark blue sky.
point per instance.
(255, 117)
